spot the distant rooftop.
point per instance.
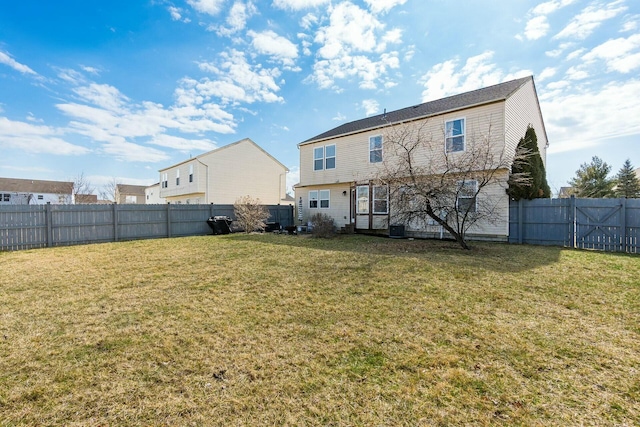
(485, 95)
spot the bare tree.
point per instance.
(251, 214)
(81, 187)
(110, 190)
(431, 185)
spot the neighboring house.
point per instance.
(130, 194)
(223, 175)
(565, 192)
(152, 195)
(14, 191)
(338, 167)
(86, 199)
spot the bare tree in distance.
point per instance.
(81, 187)
(251, 214)
(110, 190)
(429, 186)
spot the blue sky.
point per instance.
(121, 88)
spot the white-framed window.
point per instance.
(375, 149)
(324, 157)
(318, 158)
(177, 176)
(40, 197)
(330, 156)
(6, 197)
(362, 199)
(190, 173)
(466, 200)
(165, 180)
(313, 199)
(325, 195)
(380, 199)
(454, 135)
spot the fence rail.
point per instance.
(39, 226)
(611, 225)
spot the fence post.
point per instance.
(115, 222)
(48, 220)
(520, 221)
(168, 219)
(623, 224)
(572, 220)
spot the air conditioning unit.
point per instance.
(396, 231)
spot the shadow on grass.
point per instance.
(498, 257)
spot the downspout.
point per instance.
(206, 183)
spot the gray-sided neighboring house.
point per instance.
(223, 175)
(338, 168)
(14, 191)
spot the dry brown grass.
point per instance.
(282, 330)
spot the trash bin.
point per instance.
(219, 224)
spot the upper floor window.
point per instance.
(466, 200)
(178, 177)
(375, 149)
(454, 135)
(324, 157)
(190, 173)
(165, 180)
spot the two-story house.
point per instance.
(15, 191)
(339, 168)
(223, 175)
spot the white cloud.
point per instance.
(182, 144)
(308, 21)
(36, 139)
(370, 106)
(210, 7)
(237, 81)
(270, 43)
(175, 13)
(6, 59)
(379, 6)
(293, 178)
(547, 73)
(478, 71)
(237, 20)
(631, 24)
(591, 17)
(339, 117)
(354, 44)
(104, 96)
(621, 55)
(551, 6)
(577, 73)
(587, 117)
(298, 4)
(536, 28)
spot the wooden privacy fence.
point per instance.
(39, 226)
(611, 225)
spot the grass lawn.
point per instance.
(285, 330)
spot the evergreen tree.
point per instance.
(628, 184)
(532, 169)
(592, 181)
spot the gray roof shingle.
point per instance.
(485, 95)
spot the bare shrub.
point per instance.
(323, 226)
(251, 214)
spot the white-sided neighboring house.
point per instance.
(14, 191)
(338, 167)
(152, 195)
(223, 175)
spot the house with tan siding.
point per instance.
(338, 168)
(223, 175)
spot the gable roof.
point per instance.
(499, 92)
(245, 140)
(131, 190)
(16, 185)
